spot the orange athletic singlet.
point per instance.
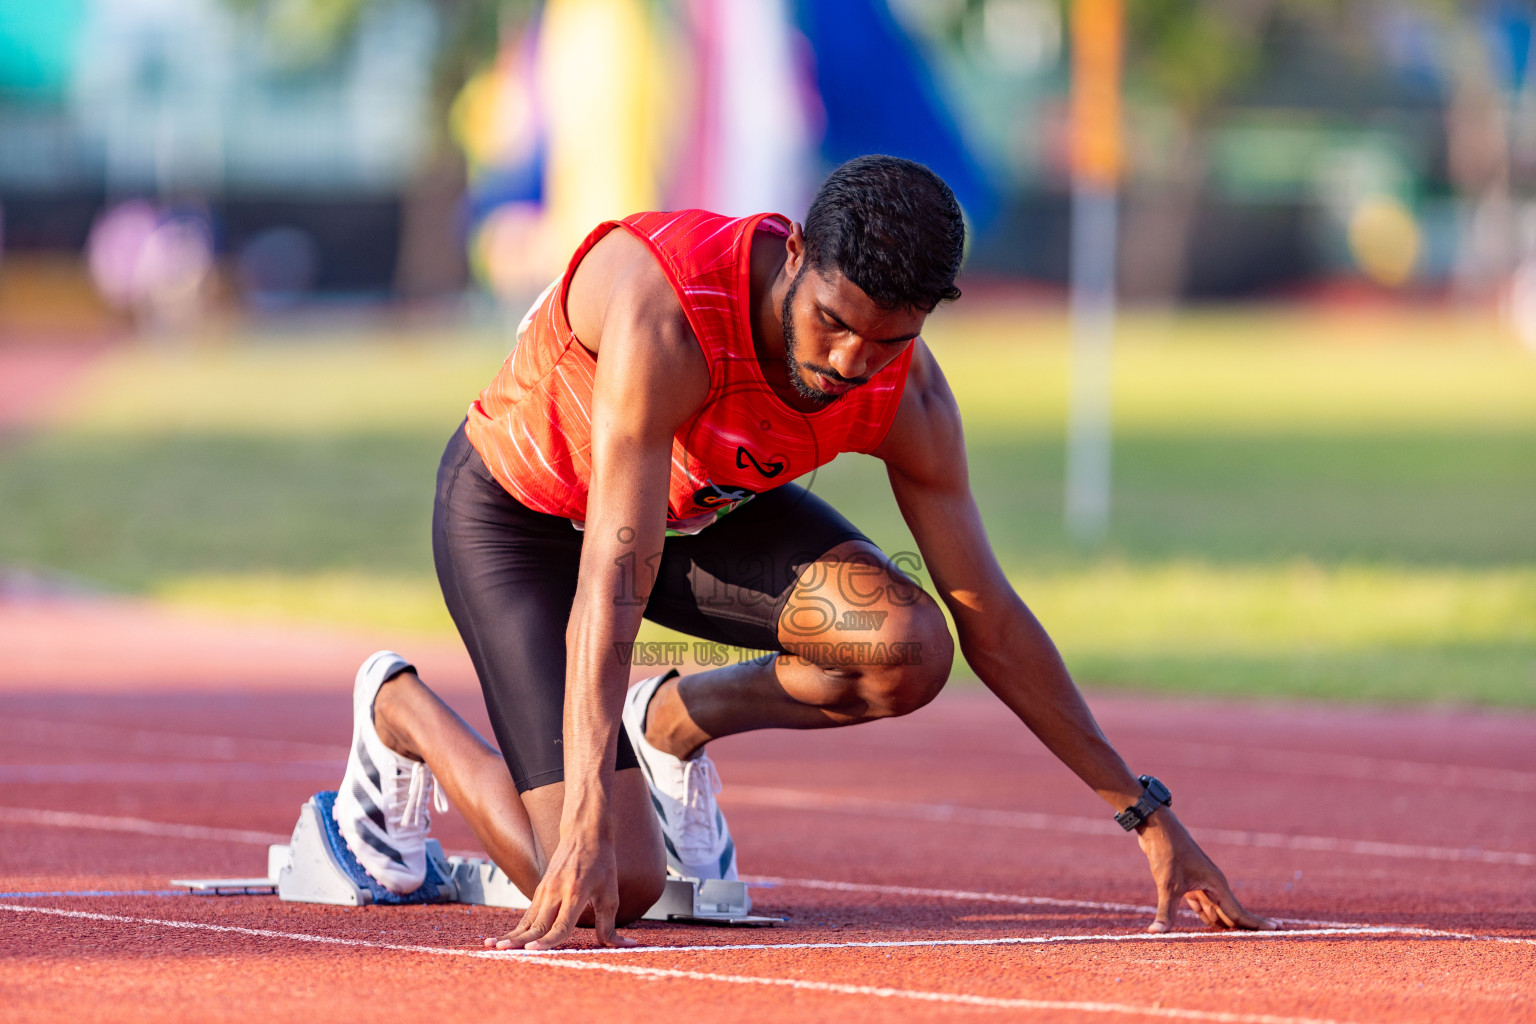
(533, 424)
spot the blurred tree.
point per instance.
(1184, 60)
(1187, 57)
(303, 34)
(1189, 61)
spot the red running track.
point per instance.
(934, 867)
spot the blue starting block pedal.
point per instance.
(315, 866)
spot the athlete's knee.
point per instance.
(896, 690)
(638, 892)
(642, 869)
(916, 665)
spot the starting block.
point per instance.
(316, 866)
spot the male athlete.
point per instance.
(633, 457)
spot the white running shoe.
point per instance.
(381, 807)
(683, 792)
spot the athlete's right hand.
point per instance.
(582, 874)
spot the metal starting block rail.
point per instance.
(308, 870)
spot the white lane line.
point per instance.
(959, 894)
(143, 826)
(101, 822)
(93, 735)
(803, 800)
(1193, 755)
(1348, 766)
(1364, 847)
(919, 995)
(1047, 940)
(1328, 929)
(990, 1002)
(1310, 926)
(224, 770)
(161, 772)
(1119, 908)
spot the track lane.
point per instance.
(858, 887)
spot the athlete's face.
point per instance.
(836, 337)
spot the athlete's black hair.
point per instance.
(892, 227)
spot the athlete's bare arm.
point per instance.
(1007, 647)
(651, 375)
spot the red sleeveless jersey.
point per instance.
(533, 424)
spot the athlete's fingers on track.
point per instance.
(562, 928)
(1218, 908)
(1197, 901)
(491, 941)
(535, 922)
(1237, 917)
(1214, 912)
(516, 938)
(1199, 907)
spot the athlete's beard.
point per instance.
(796, 367)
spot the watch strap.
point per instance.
(1153, 795)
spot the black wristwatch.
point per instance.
(1153, 795)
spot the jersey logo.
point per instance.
(714, 496)
(773, 469)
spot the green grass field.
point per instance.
(1339, 506)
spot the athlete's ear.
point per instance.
(794, 249)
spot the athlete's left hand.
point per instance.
(1181, 869)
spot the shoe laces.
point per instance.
(701, 782)
(421, 790)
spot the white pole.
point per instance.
(1094, 231)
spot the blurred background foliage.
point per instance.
(1307, 503)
